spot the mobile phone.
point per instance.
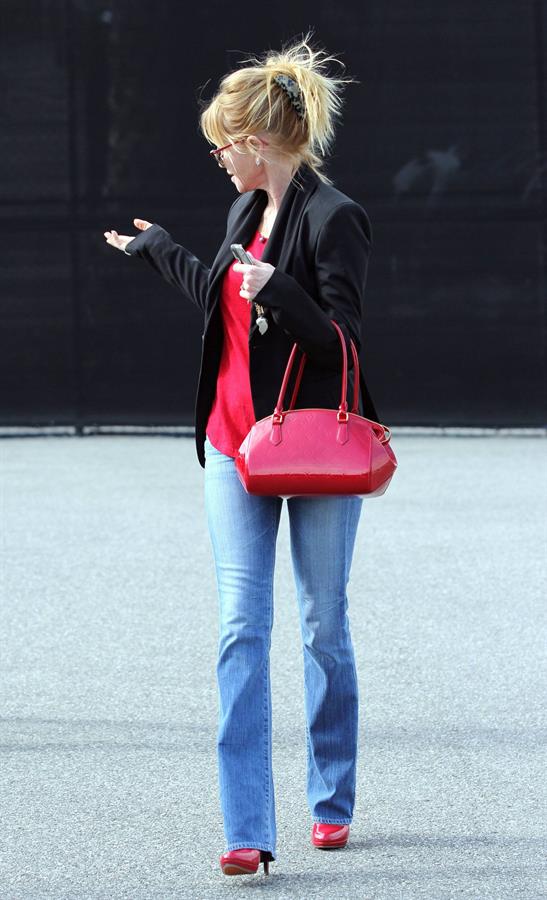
(243, 257)
(241, 254)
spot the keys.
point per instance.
(261, 321)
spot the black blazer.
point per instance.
(320, 245)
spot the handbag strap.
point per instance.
(343, 408)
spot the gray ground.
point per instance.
(108, 696)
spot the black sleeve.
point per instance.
(177, 265)
(341, 264)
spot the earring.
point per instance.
(258, 161)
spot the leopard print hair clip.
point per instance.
(292, 90)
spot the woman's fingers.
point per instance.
(121, 240)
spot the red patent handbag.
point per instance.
(308, 452)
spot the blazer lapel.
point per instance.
(280, 241)
(286, 225)
(241, 232)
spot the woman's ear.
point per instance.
(254, 144)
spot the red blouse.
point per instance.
(232, 414)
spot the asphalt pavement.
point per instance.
(108, 699)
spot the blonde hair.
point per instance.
(250, 101)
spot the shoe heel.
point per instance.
(244, 861)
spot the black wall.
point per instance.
(443, 142)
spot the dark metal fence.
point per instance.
(443, 142)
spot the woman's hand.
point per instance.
(255, 276)
(121, 240)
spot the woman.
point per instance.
(272, 122)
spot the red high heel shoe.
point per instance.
(244, 861)
(326, 835)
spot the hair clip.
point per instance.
(292, 90)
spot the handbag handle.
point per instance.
(344, 381)
(383, 434)
(343, 408)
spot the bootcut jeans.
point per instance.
(243, 530)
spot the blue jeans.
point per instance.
(243, 529)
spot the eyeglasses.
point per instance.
(220, 161)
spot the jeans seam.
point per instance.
(266, 766)
(240, 846)
(326, 821)
(267, 735)
(351, 651)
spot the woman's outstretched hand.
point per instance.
(121, 240)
